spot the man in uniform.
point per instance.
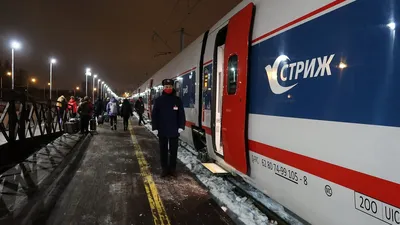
(168, 121)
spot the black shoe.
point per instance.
(164, 173)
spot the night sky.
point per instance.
(114, 38)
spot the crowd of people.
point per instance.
(168, 118)
(84, 110)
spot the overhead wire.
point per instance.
(172, 11)
(189, 13)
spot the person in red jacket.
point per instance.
(72, 106)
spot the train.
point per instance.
(299, 98)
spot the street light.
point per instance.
(88, 73)
(15, 45)
(52, 61)
(98, 88)
(106, 92)
(94, 78)
(76, 89)
(44, 91)
(9, 73)
(33, 80)
(102, 89)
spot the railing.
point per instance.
(22, 117)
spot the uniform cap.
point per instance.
(167, 82)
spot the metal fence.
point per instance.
(22, 117)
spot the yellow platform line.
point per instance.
(160, 216)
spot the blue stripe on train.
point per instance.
(365, 92)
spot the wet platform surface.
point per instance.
(114, 184)
(25, 178)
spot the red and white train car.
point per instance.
(300, 99)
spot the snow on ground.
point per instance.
(269, 203)
(222, 190)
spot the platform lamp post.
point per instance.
(93, 88)
(52, 61)
(44, 90)
(75, 89)
(102, 89)
(15, 45)
(88, 73)
(98, 88)
(33, 80)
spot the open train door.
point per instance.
(234, 119)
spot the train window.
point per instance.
(152, 96)
(177, 87)
(232, 74)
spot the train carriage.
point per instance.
(300, 99)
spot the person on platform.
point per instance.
(61, 106)
(85, 111)
(98, 108)
(168, 121)
(126, 112)
(139, 107)
(91, 107)
(72, 106)
(113, 112)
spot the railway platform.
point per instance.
(116, 181)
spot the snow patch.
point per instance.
(179, 189)
(116, 188)
(222, 190)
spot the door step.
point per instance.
(215, 169)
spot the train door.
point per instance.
(218, 100)
(234, 118)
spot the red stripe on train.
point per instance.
(187, 71)
(183, 73)
(375, 187)
(313, 13)
(189, 124)
(383, 190)
(208, 62)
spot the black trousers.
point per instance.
(113, 121)
(126, 122)
(85, 123)
(141, 118)
(168, 165)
